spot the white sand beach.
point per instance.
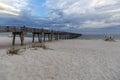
(65, 60)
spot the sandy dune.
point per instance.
(65, 60)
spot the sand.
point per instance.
(64, 60)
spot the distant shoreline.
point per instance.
(97, 37)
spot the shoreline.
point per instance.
(6, 42)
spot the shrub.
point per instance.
(36, 46)
(13, 51)
(43, 46)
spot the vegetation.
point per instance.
(37, 45)
(13, 51)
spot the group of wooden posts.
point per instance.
(42, 34)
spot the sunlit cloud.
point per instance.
(7, 9)
(99, 24)
(9, 12)
(85, 14)
(12, 7)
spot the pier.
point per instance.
(42, 34)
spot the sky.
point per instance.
(82, 16)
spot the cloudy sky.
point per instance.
(84, 16)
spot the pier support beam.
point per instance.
(48, 37)
(22, 38)
(58, 36)
(44, 37)
(39, 38)
(51, 36)
(21, 34)
(13, 41)
(33, 39)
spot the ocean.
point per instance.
(98, 37)
(90, 36)
(84, 36)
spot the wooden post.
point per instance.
(44, 36)
(48, 37)
(22, 38)
(55, 36)
(67, 36)
(39, 39)
(63, 36)
(51, 36)
(58, 37)
(33, 38)
(13, 42)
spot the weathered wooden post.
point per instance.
(39, 39)
(61, 37)
(66, 36)
(48, 37)
(69, 36)
(22, 38)
(44, 36)
(51, 36)
(23, 30)
(7, 28)
(58, 36)
(13, 41)
(33, 39)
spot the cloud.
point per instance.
(12, 7)
(67, 15)
(98, 24)
(8, 9)
(85, 14)
(17, 13)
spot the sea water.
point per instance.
(98, 36)
(90, 36)
(84, 36)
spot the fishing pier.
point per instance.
(42, 34)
